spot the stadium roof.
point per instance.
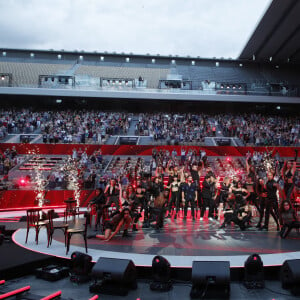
(277, 36)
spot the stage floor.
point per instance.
(181, 242)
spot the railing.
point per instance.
(261, 90)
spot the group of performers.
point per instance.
(231, 200)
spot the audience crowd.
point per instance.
(67, 126)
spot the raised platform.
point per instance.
(180, 242)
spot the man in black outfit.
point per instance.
(99, 200)
(196, 173)
(189, 195)
(207, 199)
(271, 201)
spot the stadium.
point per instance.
(161, 171)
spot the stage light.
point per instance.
(2, 77)
(278, 107)
(22, 182)
(254, 272)
(228, 159)
(80, 267)
(161, 272)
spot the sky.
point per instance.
(205, 28)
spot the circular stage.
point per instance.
(181, 242)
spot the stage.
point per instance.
(180, 242)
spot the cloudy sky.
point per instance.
(206, 28)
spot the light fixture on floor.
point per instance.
(161, 272)
(254, 272)
(80, 267)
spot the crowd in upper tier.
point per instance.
(68, 126)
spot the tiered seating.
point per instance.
(42, 163)
(151, 75)
(27, 74)
(281, 75)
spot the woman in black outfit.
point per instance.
(114, 225)
(174, 190)
(240, 194)
(288, 173)
(288, 219)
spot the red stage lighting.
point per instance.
(22, 182)
(228, 159)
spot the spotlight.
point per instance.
(22, 182)
(2, 77)
(254, 272)
(81, 266)
(161, 271)
(228, 159)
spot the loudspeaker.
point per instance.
(117, 276)
(210, 279)
(290, 276)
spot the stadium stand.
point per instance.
(151, 75)
(27, 74)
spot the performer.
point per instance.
(223, 197)
(174, 190)
(112, 193)
(262, 196)
(157, 211)
(271, 201)
(139, 204)
(240, 194)
(207, 197)
(189, 195)
(99, 202)
(196, 174)
(113, 226)
(240, 216)
(288, 173)
(288, 219)
(251, 188)
(250, 169)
